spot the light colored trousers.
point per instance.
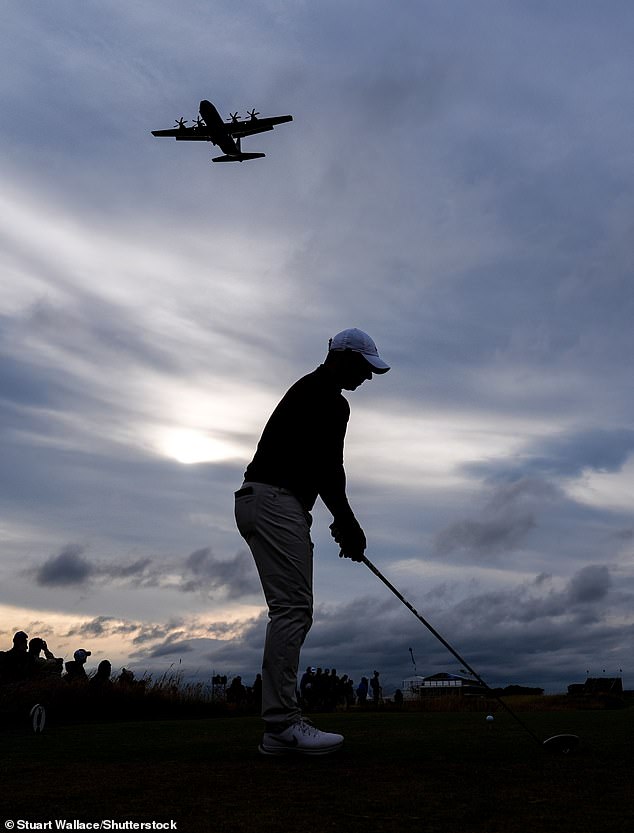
(277, 529)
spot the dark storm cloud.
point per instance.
(482, 537)
(67, 568)
(140, 571)
(232, 654)
(211, 645)
(508, 515)
(99, 626)
(590, 584)
(102, 626)
(70, 567)
(237, 576)
(526, 491)
(562, 455)
(152, 632)
(169, 648)
(529, 603)
(201, 571)
(526, 634)
(597, 449)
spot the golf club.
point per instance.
(564, 743)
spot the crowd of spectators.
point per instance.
(319, 689)
(324, 690)
(31, 660)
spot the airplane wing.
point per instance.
(185, 134)
(253, 126)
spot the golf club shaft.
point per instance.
(452, 650)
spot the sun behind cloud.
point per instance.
(189, 446)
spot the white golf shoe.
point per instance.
(303, 738)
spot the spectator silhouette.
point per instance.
(398, 698)
(14, 663)
(348, 693)
(342, 685)
(101, 679)
(362, 691)
(126, 677)
(332, 690)
(236, 693)
(375, 685)
(75, 670)
(306, 687)
(42, 666)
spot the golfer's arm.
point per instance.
(332, 486)
(333, 493)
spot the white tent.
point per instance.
(411, 687)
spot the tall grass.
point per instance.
(162, 698)
(170, 697)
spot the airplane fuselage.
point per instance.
(217, 129)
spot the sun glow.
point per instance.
(189, 446)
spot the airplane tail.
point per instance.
(238, 157)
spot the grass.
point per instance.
(421, 771)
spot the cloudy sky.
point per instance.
(458, 181)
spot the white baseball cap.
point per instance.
(359, 342)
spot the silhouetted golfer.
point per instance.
(300, 457)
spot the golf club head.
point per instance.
(562, 744)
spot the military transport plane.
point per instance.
(209, 127)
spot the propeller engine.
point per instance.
(234, 117)
(198, 122)
(180, 122)
(253, 114)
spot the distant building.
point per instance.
(597, 686)
(411, 687)
(438, 685)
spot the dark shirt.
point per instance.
(75, 671)
(301, 447)
(14, 665)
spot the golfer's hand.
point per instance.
(350, 538)
(353, 556)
